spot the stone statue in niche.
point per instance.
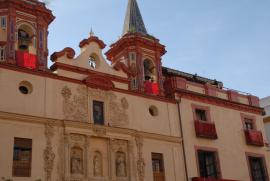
(76, 161)
(120, 164)
(97, 162)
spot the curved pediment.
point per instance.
(98, 81)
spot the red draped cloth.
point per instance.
(27, 60)
(155, 88)
(148, 87)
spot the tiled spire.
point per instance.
(133, 21)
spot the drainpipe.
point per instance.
(182, 136)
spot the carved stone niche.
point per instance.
(98, 165)
(120, 162)
(75, 161)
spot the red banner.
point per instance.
(27, 60)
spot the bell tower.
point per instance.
(23, 33)
(138, 54)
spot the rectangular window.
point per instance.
(2, 53)
(208, 164)
(158, 167)
(201, 115)
(257, 168)
(98, 112)
(22, 156)
(4, 22)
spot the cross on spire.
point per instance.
(134, 21)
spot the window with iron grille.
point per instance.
(208, 164)
(257, 168)
(22, 157)
(201, 115)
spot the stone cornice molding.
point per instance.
(86, 128)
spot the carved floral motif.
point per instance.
(118, 109)
(119, 116)
(75, 106)
(140, 161)
(48, 153)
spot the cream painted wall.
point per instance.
(231, 144)
(172, 155)
(11, 129)
(46, 101)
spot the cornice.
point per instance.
(219, 102)
(85, 127)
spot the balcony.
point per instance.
(151, 88)
(205, 129)
(254, 137)
(25, 59)
(209, 179)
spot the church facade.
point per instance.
(131, 120)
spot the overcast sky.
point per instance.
(227, 40)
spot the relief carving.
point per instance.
(119, 145)
(76, 160)
(97, 164)
(120, 164)
(118, 109)
(100, 131)
(75, 106)
(48, 153)
(119, 116)
(140, 161)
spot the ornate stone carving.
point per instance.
(118, 109)
(75, 106)
(100, 131)
(77, 137)
(76, 160)
(119, 145)
(119, 116)
(120, 164)
(97, 164)
(60, 151)
(100, 94)
(140, 161)
(48, 153)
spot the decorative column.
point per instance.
(88, 158)
(132, 167)
(140, 161)
(48, 153)
(67, 156)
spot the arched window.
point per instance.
(149, 70)
(93, 61)
(25, 37)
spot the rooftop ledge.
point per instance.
(177, 80)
